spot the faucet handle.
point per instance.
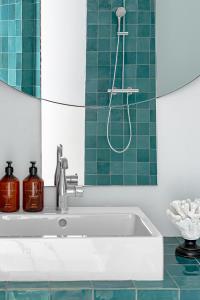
(72, 179)
(79, 191)
(64, 163)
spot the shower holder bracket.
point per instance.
(129, 91)
(122, 33)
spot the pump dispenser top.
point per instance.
(33, 169)
(33, 191)
(9, 190)
(9, 169)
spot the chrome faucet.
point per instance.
(66, 185)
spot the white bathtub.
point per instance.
(87, 243)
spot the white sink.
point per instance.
(87, 243)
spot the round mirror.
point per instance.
(66, 53)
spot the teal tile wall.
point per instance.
(138, 165)
(181, 282)
(20, 44)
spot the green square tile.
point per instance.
(144, 4)
(104, 44)
(92, 5)
(92, 72)
(116, 167)
(142, 155)
(166, 283)
(91, 44)
(103, 180)
(130, 179)
(104, 18)
(143, 141)
(92, 31)
(3, 295)
(90, 179)
(91, 86)
(158, 295)
(170, 240)
(131, 5)
(101, 129)
(103, 155)
(190, 294)
(143, 169)
(153, 169)
(144, 17)
(65, 285)
(92, 58)
(104, 31)
(90, 141)
(143, 180)
(91, 167)
(169, 249)
(69, 295)
(142, 71)
(90, 155)
(116, 180)
(130, 168)
(131, 17)
(187, 282)
(92, 17)
(102, 142)
(144, 31)
(30, 295)
(105, 5)
(130, 155)
(143, 44)
(91, 115)
(182, 270)
(153, 142)
(91, 99)
(115, 295)
(103, 167)
(112, 285)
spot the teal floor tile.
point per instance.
(27, 295)
(170, 248)
(190, 295)
(71, 295)
(158, 295)
(162, 284)
(171, 259)
(187, 282)
(3, 295)
(65, 285)
(115, 295)
(113, 284)
(171, 240)
(27, 285)
(181, 270)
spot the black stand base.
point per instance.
(188, 249)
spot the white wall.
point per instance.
(20, 130)
(63, 51)
(63, 125)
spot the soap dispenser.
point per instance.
(9, 191)
(33, 191)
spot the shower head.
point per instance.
(120, 12)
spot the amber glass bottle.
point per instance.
(33, 191)
(9, 191)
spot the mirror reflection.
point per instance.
(77, 57)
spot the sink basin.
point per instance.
(87, 243)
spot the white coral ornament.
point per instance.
(185, 214)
